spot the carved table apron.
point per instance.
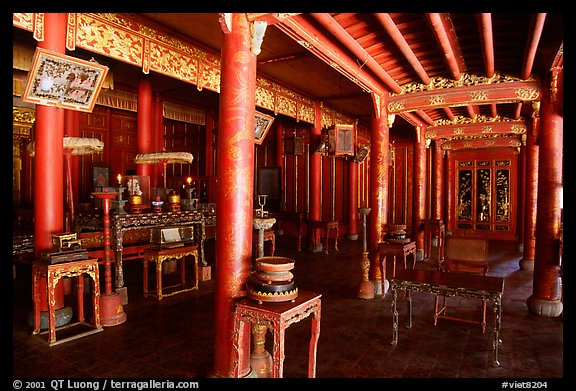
(449, 284)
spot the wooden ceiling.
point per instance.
(348, 54)
(337, 58)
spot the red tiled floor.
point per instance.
(174, 338)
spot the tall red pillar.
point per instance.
(72, 129)
(235, 169)
(49, 160)
(157, 171)
(279, 155)
(530, 197)
(352, 207)
(438, 182)
(315, 177)
(378, 217)
(450, 180)
(546, 298)
(144, 135)
(419, 200)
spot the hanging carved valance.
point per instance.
(118, 99)
(183, 113)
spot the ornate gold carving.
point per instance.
(437, 99)
(526, 94)
(23, 115)
(460, 119)
(478, 95)
(437, 83)
(396, 106)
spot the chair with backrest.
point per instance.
(463, 255)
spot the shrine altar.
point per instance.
(122, 223)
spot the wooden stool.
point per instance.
(158, 256)
(400, 250)
(53, 273)
(278, 317)
(326, 226)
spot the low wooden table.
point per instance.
(296, 217)
(278, 317)
(53, 273)
(400, 250)
(158, 256)
(327, 226)
(449, 284)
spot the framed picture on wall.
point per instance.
(64, 81)
(262, 123)
(345, 140)
(100, 176)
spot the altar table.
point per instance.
(449, 284)
(126, 222)
(278, 316)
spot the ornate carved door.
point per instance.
(485, 199)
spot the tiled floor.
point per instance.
(174, 338)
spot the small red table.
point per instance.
(400, 250)
(158, 256)
(53, 273)
(327, 226)
(277, 317)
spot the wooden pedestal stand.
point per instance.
(365, 288)
(111, 310)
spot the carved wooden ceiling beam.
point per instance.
(494, 142)
(478, 127)
(470, 90)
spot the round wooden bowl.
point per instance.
(274, 277)
(274, 264)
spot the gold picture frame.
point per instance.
(262, 123)
(63, 81)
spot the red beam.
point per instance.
(398, 38)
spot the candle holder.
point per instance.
(111, 310)
(261, 201)
(119, 203)
(365, 287)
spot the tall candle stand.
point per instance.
(365, 288)
(111, 310)
(119, 203)
(261, 201)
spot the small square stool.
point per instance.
(158, 256)
(53, 273)
(326, 226)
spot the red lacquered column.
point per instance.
(144, 137)
(450, 180)
(72, 129)
(530, 198)
(438, 184)
(235, 168)
(315, 178)
(419, 186)
(352, 211)
(379, 167)
(546, 298)
(156, 179)
(49, 161)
